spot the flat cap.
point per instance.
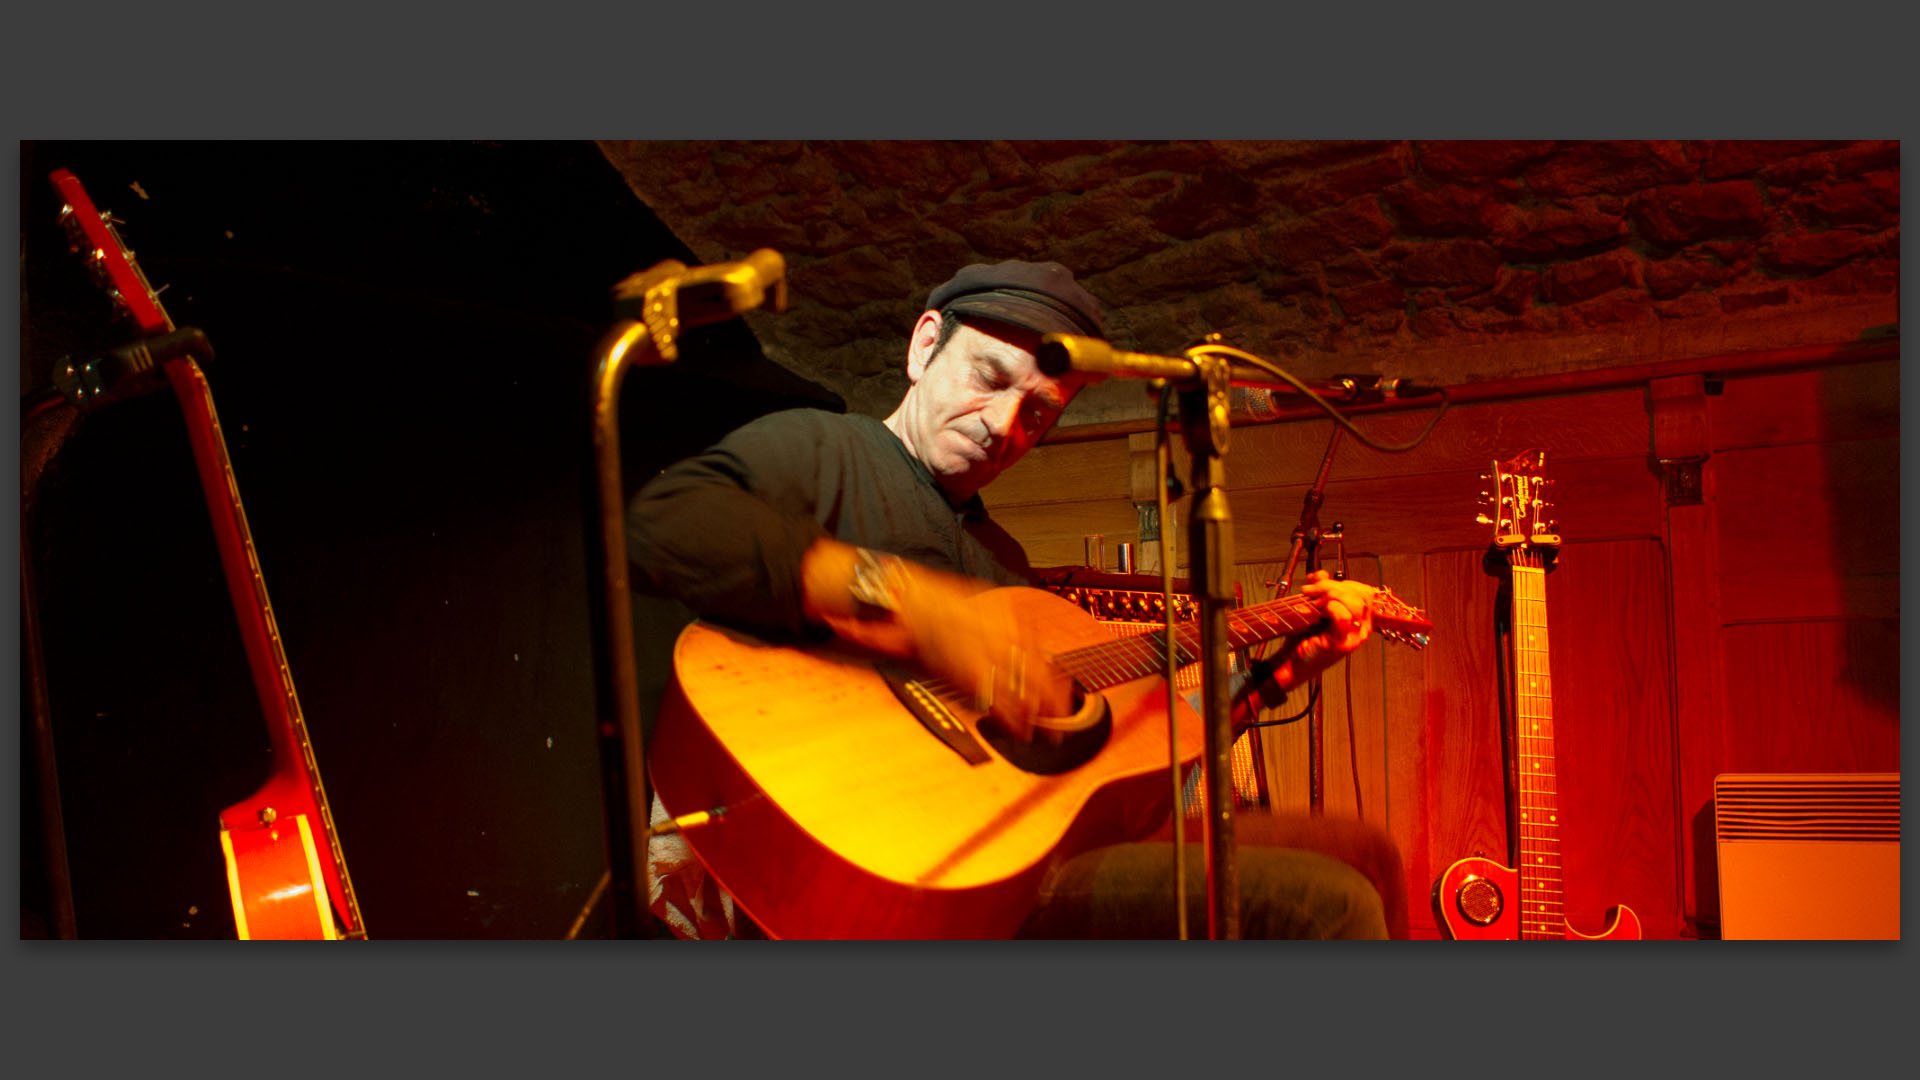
(1042, 297)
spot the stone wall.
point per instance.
(1447, 261)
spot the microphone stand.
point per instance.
(1306, 541)
(654, 306)
(1203, 415)
(1205, 376)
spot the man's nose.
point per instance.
(1004, 415)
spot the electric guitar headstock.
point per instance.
(137, 367)
(1396, 620)
(91, 232)
(1524, 532)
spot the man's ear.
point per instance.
(926, 332)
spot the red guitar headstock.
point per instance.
(1396, 620)
(1522, 528)
(91, 232)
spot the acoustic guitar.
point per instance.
(847, 798)
(1476, 898)
(286, 872)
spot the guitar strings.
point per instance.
(1124, 659)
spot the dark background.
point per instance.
(403, 334)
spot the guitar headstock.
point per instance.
(1396, 620)
(1517, 508)
(91, 233)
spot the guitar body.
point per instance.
(848, 818)
(1477, 899)
(275, 880)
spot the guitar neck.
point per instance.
(295, 774)
(1541, 893)
(1125, 659)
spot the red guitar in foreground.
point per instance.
(1477, 898)
(285, 870)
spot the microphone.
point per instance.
(720, 291)
(1260, 404)
(1059, 354)
(1373, 388)
(706, 294)
(1254, 387)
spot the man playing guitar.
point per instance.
(811, 527)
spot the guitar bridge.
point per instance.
(934, 715)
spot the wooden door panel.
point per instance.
(1614, 733)
(1813, 697)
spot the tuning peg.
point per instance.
(1483, 519)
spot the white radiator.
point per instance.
(1808, 855)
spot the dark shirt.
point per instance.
(723, 532)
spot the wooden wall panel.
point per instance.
(1407, 736)
(1064, 473)
(1614, 733)
(1464, 788)
(1836, 404)
(1579, 427)
(1809, 531)
(1053, 534)
(1613, 498)
(1814, 696)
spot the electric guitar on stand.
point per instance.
(285, 869)
(1477, 898)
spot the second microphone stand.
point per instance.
(654, 307)
(1306, 542)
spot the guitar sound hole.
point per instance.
(1480, 901)
(1046, 755)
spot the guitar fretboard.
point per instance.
(1543, 912)
(203, 420)
(1125, 659)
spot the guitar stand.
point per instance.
(652, 308)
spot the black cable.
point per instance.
(1353, 750)
(1446, 401)
(1312, 697)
